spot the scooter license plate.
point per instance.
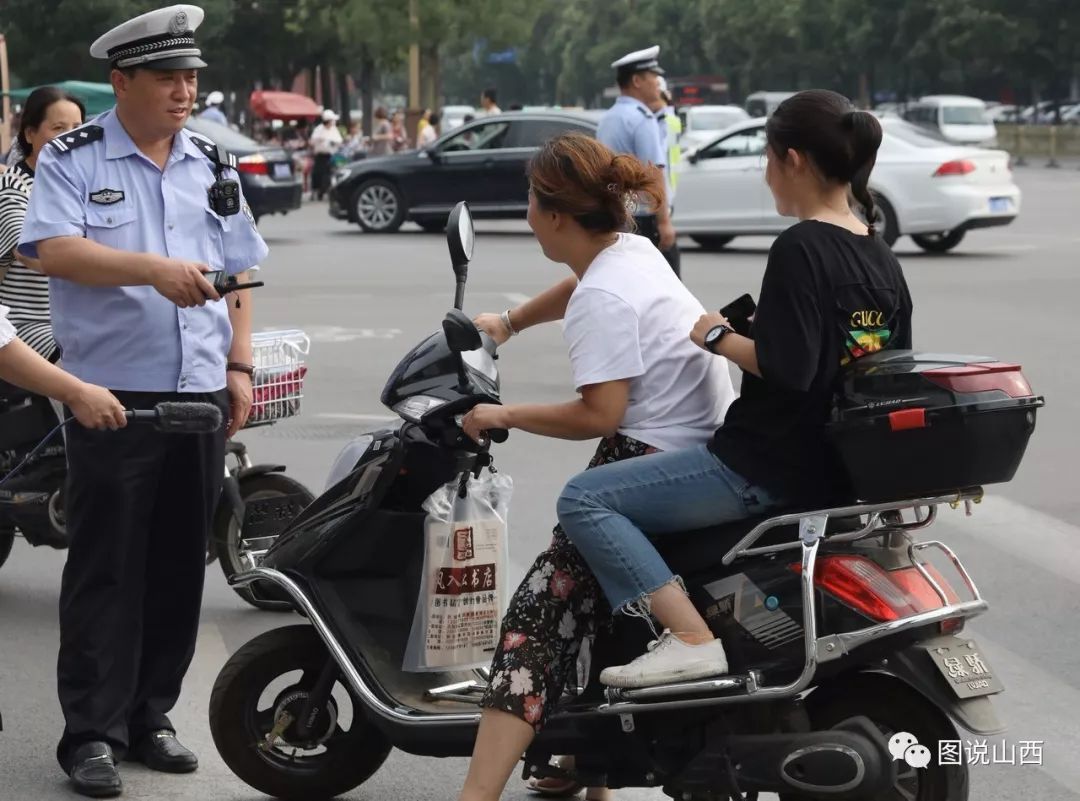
(267, 517)
(964, 667)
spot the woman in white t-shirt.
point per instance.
(644, 387)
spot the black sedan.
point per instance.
(266, 173)
(482, 162)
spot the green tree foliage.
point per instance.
(564, 48)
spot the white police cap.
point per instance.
(640, 61)
(162, 40)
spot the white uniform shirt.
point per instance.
(630, 318)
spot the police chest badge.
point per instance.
(106, 197)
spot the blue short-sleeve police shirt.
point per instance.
(629, 127)
(131, 337)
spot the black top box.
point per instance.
(909, 424)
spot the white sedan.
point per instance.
(925, 188)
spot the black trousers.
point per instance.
(320, 175)
(139, 504)
(648, 227)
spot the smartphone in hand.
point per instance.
(739, 312)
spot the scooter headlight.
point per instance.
(414, 408)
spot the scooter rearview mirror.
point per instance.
(460, 237)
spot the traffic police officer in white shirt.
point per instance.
(629, 126)
(127, 215)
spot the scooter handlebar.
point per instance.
(498, 434)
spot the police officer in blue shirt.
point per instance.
(127, 216)
(629, 126)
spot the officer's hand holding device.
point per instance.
(183, 282)
(224, 283)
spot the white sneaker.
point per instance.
(669, 659)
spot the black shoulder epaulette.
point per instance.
(77, 138)
(219, 155)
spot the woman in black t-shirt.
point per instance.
(832, 291)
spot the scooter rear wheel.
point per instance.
(229, 545)
(255, 689)
(893, 707)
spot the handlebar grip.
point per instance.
(498, 434)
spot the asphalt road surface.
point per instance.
(1011, 293)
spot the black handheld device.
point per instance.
(224, 283)
(738, 313)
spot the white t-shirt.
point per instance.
(427, 136)
(630, 318)
(326, 140)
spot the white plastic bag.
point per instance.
(463, 593)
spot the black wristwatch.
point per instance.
(715, 334)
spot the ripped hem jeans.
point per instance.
(604, 512)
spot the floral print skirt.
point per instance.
(557, 607)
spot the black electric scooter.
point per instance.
(840, 633)
(255, 503)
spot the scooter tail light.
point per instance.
(881, 595)
(984, 377)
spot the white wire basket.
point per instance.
(280, 367)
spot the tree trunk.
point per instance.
(367, 84)
(344, 101)
(429, 70)
(326, 85)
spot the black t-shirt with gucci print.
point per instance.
(828, 296)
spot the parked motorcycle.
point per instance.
(844, 632)
(257, 500)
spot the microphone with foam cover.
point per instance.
(180, 418)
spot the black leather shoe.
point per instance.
(160, 750)
(93, 771)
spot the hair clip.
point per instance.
(613, 187)
(630, 200)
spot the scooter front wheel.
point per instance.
(255, 704)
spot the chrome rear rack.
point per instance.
(812, 525)
(877, 522)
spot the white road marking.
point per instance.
(1025, 533)
(376, 418)
(1019, 248)
(333, 333)
(1036, 705)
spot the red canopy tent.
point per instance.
(269, 105)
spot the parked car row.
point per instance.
(932, 190)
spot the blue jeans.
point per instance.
(604, 510)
